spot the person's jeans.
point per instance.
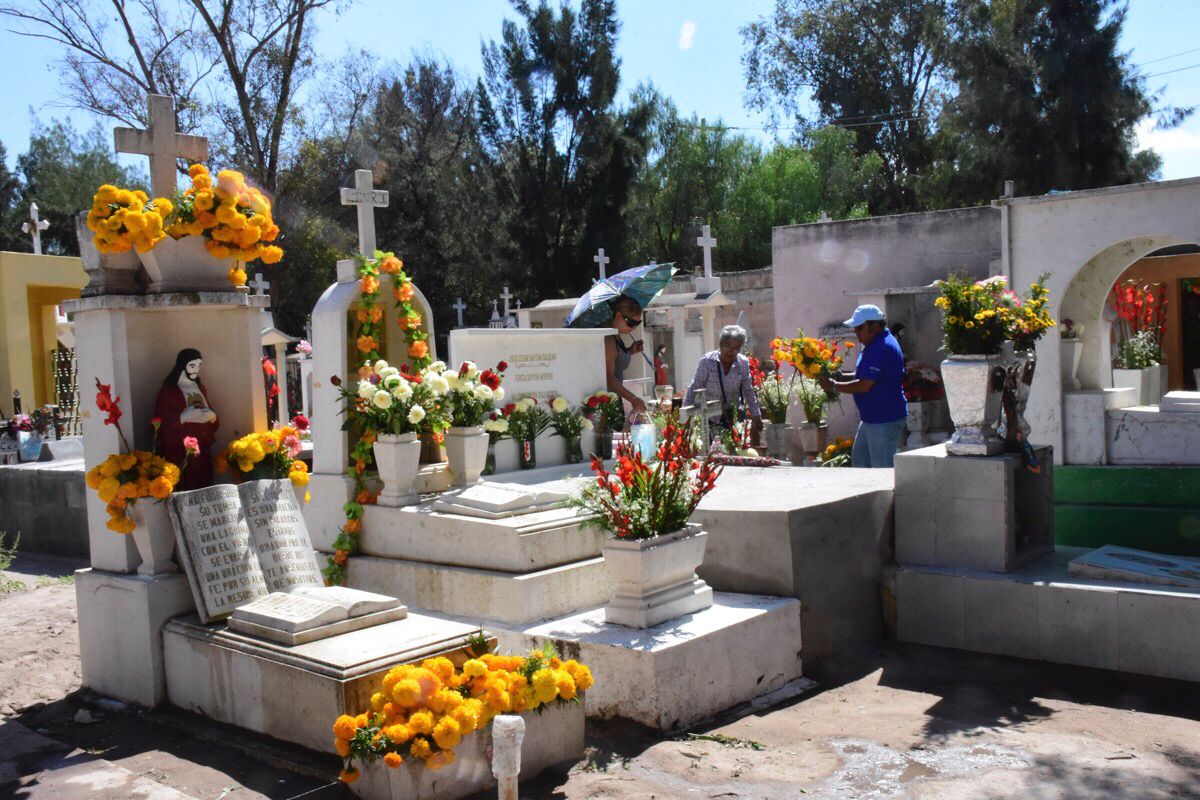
(875, 444)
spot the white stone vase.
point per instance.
(974, 388)
(1070, 352)
(1160, 381)
(108, 273)
(466, 452)
(778, 436)
(920, 418)
(813, 436)
(398, 457)
(655, 579)
(184, 265)
(1139, 379)
(153, 536)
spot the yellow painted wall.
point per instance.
(30, 287)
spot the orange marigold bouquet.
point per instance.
(809, 356)
(123, 478)
(234, 216)
(423, 712)
(121, 219)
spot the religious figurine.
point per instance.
(182, 409)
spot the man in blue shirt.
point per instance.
(877, 389)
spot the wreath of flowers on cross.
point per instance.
(368, 335)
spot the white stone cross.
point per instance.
(602, 260)
(506, 296)
(34, 228)
(367, 198)
(459, 307)
(162, 143)
(259, 285)
(707, 242)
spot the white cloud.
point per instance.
(686, 34)
(1164, 142)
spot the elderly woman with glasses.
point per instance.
(725, 373)
(627, 316)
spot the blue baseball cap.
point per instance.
(866, 313)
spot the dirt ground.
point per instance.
(900, 722)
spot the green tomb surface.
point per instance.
(1150, 508)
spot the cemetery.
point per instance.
(437, 564)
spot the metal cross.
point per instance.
(259, 285)
(602, 260)
(367, 198)
(707, 242)
(162, 143)
(459, 307)
(34, 228)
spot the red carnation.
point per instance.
(490, 379)
(502, 366)
(300, 422)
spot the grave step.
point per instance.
(1148, 508)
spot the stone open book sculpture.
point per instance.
(248, 557)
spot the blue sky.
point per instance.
(690, 50)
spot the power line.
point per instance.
(1170, 71)
(1168, 58)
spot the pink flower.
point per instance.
(304, 347)
(191, 445)
(292, 444)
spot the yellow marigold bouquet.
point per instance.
(976, 315)
(808, 355)
(423, 712)
(234, 216)
(121, 219)
(124, 477)
(837, 454)
(270, 455)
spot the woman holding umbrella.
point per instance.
(627, 316)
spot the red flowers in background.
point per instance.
(110, 406)
(1140, 308)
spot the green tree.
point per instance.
(61, 172)
(1044, 98)
(11, 237)
(563, 155)
(876, 67)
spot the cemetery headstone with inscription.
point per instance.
(248, 557)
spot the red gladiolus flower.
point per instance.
(107, 403)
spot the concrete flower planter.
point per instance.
(1071, 351)
(920, 418)
(1139, 379)
(466, 452)
(778, 435)
(974, 385)
(398, 458)
(814, 436)
(153, 536)
(655, 579)
(184, 265)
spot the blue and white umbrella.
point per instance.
(643, 284)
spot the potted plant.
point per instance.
(1141, 317)
(923, 390)
(1070, 341)
(813, 401)
(774, 397)
(472, 395)
(496, 427)
(127, 482)
(569, 423)
(1027, 323)
(975, 320)
(526, 422)
(606, 412)
(652, 552)
(391, 404)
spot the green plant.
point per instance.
(1139, 351)
(527, 420)
(813, 399)
(775, 395)
(8, 552)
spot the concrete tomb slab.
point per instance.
(1126, 564)
(978, 512)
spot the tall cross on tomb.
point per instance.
(602, 260)
(162, 143)
(707, 242)
(259, 285)
(459, 307)
(506, 296)
(34, 228)
(367, 198)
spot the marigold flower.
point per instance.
(418, 350)
(367, 344)
(349, 775)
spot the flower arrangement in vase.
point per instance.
(471, 397)
(607, 413)
(652, 552)
(225, 219)
(424, 711)
(811, 358)
(569, 423)
(496, 427)
(125, 478)
(270, 455)
(526, 422)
